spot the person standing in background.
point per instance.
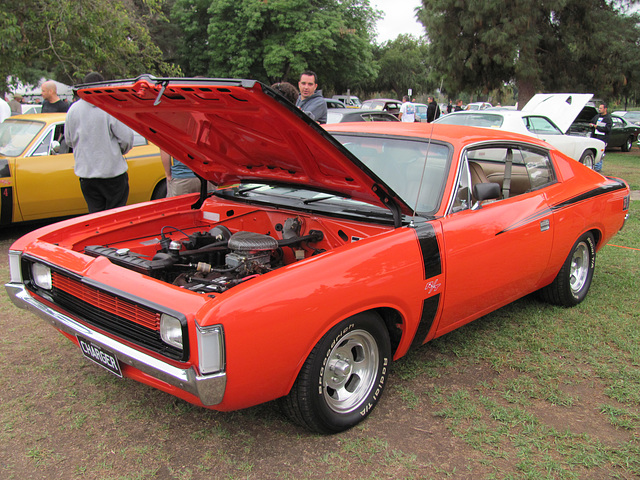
(433, 110)
(601, 124)
(311, 100)
(52, 102)
(180, 178)
(16, 104)
(407, 111)
(99, 143)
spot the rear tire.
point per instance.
(160, 191)
(343, 378)
(571, 285)
(588, 159)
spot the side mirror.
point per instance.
(54, 147)
(485, 191)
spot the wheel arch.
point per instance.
(393, 321)
(597, 236)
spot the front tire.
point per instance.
(626, 147)
(572, 283)
(588, 159)
(343, 378)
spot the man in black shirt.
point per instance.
(52, 103)
(601, 125)
(433, 110)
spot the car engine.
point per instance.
(212, 261)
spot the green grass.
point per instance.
(624, 165)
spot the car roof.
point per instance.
(42, 117)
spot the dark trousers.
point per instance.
(105, 193)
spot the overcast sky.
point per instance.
(399, 18)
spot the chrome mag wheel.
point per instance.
(351, 371)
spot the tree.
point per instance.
(65, 39)
(556, 45)
(403, 66)
(275, 40)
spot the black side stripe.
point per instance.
(578, 198)
(430, 250)
(590, 194)
(432, 267)
(429, 310)
(6, 210)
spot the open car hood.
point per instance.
(230, 131)
(561, 108)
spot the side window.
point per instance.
(541, 126)
(44, 145)
(516, 169)
(139, 140)
(539, 169)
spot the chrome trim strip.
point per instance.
(209, 388)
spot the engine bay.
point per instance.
(215, 260)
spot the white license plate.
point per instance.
(99, 355)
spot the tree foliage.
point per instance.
(64, 39)
(403, 65)
(555, 45)
(275, 40)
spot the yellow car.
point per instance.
(36, 170)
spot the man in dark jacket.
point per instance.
(601, 125)
(311, 100)
(433, 110)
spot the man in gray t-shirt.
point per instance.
(99, 143)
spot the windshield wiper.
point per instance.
(317, 199)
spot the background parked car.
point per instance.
(623, 134)
(421, 112)
(587, 151)
(340, 115)
(385, 104)
(631, 117)
(478, 106)
(350, 101)
(36, 170)
(331, 103)
(28, 108)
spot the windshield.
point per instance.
(16, 135)
(414, 169)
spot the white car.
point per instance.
(478, 106)
(585, 150)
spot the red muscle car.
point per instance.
(322, 255)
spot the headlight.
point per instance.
(14, 266)
(41, 275)
(210, 349)
(171, 330)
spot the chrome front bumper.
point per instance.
(208, 388)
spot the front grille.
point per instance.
(121, 317)
(108, 302)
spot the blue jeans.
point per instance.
(598, 166)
